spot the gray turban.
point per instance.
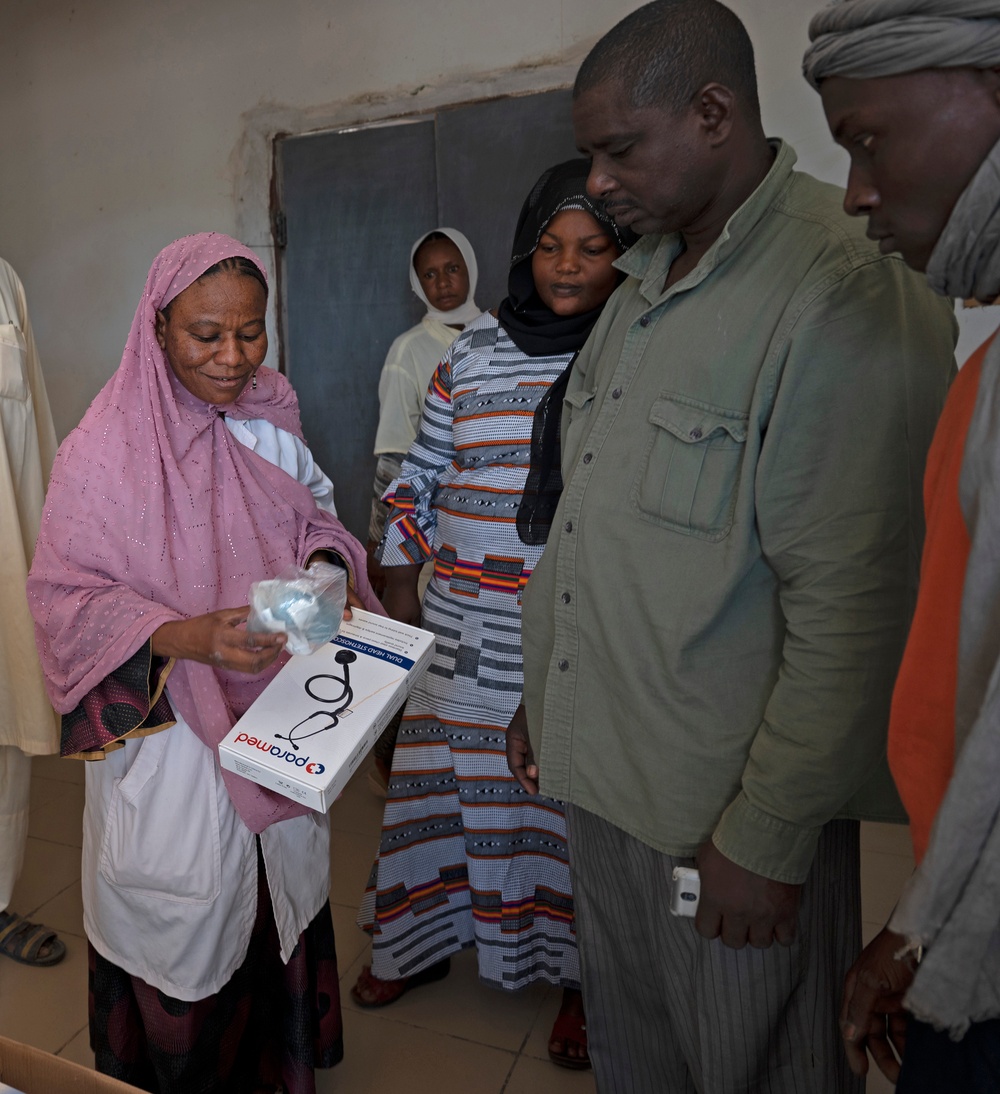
(864, 39)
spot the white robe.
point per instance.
(169, 869)
(27, 448)
(409, 365)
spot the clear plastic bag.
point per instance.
(307, 605)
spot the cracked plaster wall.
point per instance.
(126, 124)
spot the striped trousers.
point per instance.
(669, 1012)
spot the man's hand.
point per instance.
(217, 639)
(871, 1013)
(520, 758)
(740, 906)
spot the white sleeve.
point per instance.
(286, 451)
(312, 475)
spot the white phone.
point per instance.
(685, 889)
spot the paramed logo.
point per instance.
(313, 767)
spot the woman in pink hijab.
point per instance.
(205, 897)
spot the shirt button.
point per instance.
(563, 665)
(565, 598)
(568, 526)
(644, 321)
(696, 434)
(587, 457)
(617, 393)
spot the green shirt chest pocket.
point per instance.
(576, 419)
(689, 471)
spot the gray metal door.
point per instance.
(352, 203)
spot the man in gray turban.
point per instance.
(711, 636)
(911, 89)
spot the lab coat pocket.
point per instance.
(688, 476)
(13, 363)
(162, 834)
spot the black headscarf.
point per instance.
(534, 328)
(538, 331)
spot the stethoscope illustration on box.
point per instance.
(312, 687)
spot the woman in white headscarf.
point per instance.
(443, 275)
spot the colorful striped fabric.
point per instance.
(466, 857)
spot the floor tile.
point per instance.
(877, 1083)
(352, 942)
(869, 929)
(64, 913)
(78, 1050)
(893, 839)
(537, 1044)
(350, 973)
(461, 1006)
(382, 1056)
(882, 879)
(55, 767)
(358, 809)
(49, 868)
(532, 1076)
(60, 821)
(351, 858)
(453, 1035)
(44, 791)
(45, 1007)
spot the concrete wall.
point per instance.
(126, 123)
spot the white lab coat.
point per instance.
(169, 869)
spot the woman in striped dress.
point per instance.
(466, 857)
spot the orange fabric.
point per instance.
(922, 722)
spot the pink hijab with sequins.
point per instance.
(155, 512)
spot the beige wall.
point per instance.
(126, 123)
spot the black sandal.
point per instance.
(24, 942)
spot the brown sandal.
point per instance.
(370, 991)
(570, 1027)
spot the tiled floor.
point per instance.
(450, 1036)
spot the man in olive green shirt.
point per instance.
(711, 636)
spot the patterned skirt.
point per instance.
(272, 1023)
(466, 857)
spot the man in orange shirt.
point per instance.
(911, 88)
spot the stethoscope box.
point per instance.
(312, 726)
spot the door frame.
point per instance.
(252, 160)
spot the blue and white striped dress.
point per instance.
(466, 856)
